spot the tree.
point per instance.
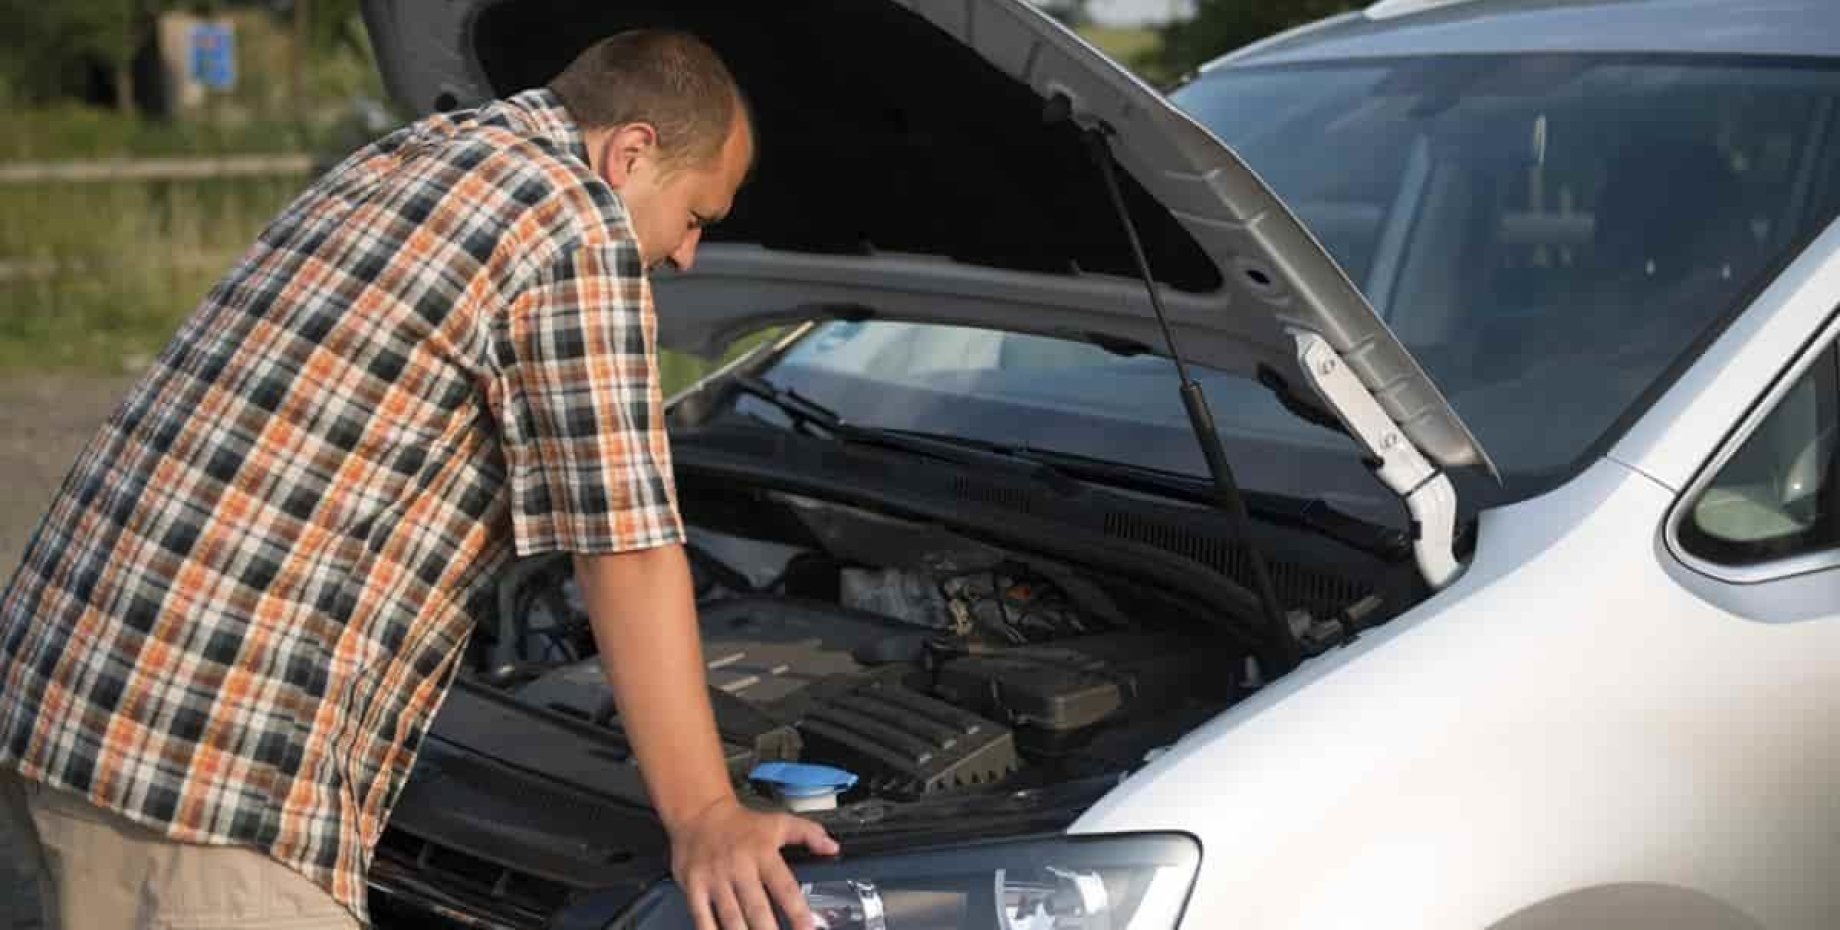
(42, 42)
(1219, 26)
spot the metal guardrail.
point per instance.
(156, 169)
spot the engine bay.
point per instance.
(920, 660)
(980, 654)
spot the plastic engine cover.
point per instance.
(907, 742)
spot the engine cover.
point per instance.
(909, 743)
(785, 686)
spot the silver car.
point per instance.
(1496, 581)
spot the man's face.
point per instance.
(670, 205)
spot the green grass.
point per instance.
(676, 370)
(97, 276)
(72, 131)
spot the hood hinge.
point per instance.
(1429, 496)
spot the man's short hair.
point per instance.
(671, 80)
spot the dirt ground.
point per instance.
(44, 422)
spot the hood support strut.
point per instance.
(1283, 650)
(1429, 496)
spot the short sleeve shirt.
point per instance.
(251, 592)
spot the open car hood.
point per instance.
(906, 170)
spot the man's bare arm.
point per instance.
(642, 609)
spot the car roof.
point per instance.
(1796, 28)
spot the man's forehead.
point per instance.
(731, 171)
(738, 149)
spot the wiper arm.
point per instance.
(1058, 469)
(805, 411)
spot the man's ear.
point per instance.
(623, 147)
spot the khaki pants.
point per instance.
(99, 871)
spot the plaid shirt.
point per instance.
(253, 589)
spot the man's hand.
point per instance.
(726, 854)
(643, 613)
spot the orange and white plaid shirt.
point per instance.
(255, 585)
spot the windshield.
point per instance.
(1067, 397)
(1549, 235)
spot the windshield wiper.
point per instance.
(1060, 470)
(805, 412)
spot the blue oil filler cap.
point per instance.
(802, 786)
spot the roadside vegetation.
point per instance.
(96, 276)
(67, 131)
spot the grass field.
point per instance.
(96, 276)
(74, 131)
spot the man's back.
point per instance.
(253, 587)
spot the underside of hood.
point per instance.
(906, 170)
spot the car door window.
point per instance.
(1775, 497)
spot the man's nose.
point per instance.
(685, 256)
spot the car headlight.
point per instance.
(1136, 882)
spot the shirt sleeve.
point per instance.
(580, 411)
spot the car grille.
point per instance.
(448, 887)
(1322, 593)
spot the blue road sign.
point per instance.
(214, 55)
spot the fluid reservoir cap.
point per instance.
(804, 787)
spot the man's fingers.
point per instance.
(754, 900)
(733, 874)
(727, 908)
(807, 833)
(697, 893)
(786, 893)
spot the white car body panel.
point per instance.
(1568, 715)
(1564, 716)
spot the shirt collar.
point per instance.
(549, 119)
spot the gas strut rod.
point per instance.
(1201, 420)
